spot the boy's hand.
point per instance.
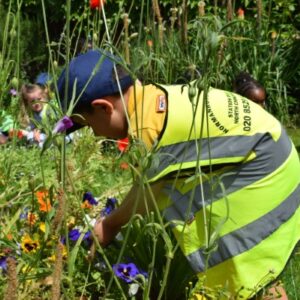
(104, 235)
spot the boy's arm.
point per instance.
(137, 201)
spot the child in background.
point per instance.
(36, 113)
(250, 88)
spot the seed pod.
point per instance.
(192, 92)
(12, 33)
(14, 82)
(55, 64)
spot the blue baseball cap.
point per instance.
(93, 75)
(43, 78)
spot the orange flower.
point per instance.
(124, 165)
(86, 204)
(31, 218)
(43, 200)
(9, 236)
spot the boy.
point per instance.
(248, 193)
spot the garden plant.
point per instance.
(51, 197)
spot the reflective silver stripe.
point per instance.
(248, 236)
(211, 148)
(269, 156)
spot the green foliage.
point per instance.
(209, 48)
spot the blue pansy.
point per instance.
(74, 235)
(89, 197)
(3, 264)
(127, 272)
(110, 205)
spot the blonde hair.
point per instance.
(25, 111)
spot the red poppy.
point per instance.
(123, 144)
(94, 4)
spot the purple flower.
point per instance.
(109, 206)
(87, 235)
(127, 272)
(24, 214)
(13, 92)
(3, 264)
(89, 197)
(63, 124)
(74, 235)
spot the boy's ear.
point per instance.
(104, 104)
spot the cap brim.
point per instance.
(75, 127)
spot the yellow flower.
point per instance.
(71, 222)
(42, 227)
(28, 244)
(52, 258)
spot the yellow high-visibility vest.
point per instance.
(236, 215)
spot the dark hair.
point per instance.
(245, 85)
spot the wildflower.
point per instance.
(86, 205)
(63, 124)
(3, 264)
(94, 4)
(273, 35)
(87, 235)
(28, 244)
(31, 218)
(74, 235)
(52, 258)
(42, 227)
(150, 43)
(124, 165)
(9, 236)
(13, 92)
(71, 222)
(123, 144)
(24, 214)
(109, 206)
(43, 200)
(88, 200)
(127, 272)
(241, 14)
